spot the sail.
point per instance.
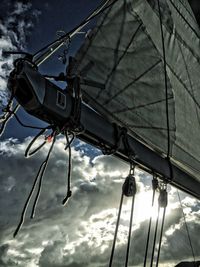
(126, 54)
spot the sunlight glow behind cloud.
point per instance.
(82, 232)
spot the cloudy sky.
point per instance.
(81, 233)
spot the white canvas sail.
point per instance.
(126, 51)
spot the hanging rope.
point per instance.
(155, 236)
(42, 169)
(187, 229)
(163, 200)
(128, 190)
(71, 127)
(47, 139)
(116, 230)
(162, 203)
(39, 176)
(68, 146)
(154, 187)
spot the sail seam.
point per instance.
(190, 82)
(189, 25)
(166, 87)
(132, 82)
(124, 52)
(190, 94)
(116, 52)
(180, 39)
(141, 106)
(188, 11)
(94, 34)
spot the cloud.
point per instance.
(81, 233)
(16, 24)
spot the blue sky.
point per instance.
(81, 233)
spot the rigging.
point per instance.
(129, 190)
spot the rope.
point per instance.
(128, 190)
(25, 125)
(155, 236)
(161, 234)
(69, 192)
(6, 117)
(43, 169)
(39, 176)
(8, 113)
(116, 230)
(162, 202)
(187, 229)
(53, 46)
(27, 153)
(154, 186)
(119, 133)
(73, 126)
(129, 234)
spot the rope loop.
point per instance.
(110, 150)
(29, 153)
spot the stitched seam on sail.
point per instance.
(132, 82)
(141, 106)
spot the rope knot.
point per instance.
(65, 200)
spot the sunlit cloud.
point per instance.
(15, 27)
(81, 233)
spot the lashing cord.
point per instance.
(128, 189)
